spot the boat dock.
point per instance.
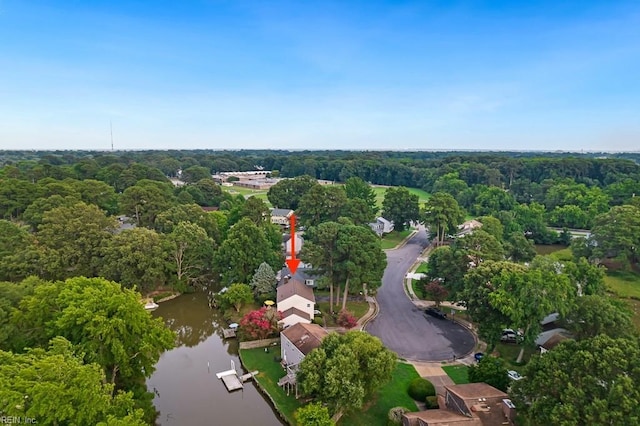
(229, 333)
(232, 381)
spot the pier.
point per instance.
(232, 380)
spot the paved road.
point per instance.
(403, 327)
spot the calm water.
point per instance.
(187, 391)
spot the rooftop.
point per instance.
(306, 337)
(292, 288)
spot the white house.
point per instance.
(468, 227)
(381, 226)
(298, 241)
(298, 340)
(296, 302)
(281, 216)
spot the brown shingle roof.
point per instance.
(476, 390)
(437, 416)
(554, 341)
(294, 287)
(305, 337)
(296, 311)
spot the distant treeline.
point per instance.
(421, 169)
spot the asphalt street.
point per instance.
(403, 327)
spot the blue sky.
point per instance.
(535, 75)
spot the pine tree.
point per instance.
(264, 280)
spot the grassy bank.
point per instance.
(270, 372)
(392, 239)
(394, 394)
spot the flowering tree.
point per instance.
(346, 319)
(260, 324)
(436, 291)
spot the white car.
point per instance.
(514, 375)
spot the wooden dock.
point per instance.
(232, 381)
(229, 333)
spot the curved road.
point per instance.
(402, 326)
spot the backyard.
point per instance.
(391, 395)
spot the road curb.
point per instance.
(369, 317)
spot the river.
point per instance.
(185, 383)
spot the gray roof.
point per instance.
(281, 212)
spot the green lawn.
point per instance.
(458, 373)
(394, 394)
(423, 268)
(417, 288)
(543, 249)
(509, 353)
(358, 309)
(392, 239)
(247, 192)
(270, 372)
(623, 283)
(423, 196)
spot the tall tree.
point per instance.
(264, 280)
(442, 214)
(361, 259)
(135, 258)
(587, 382)
(346, 370)
(106, 323)
(320, 249)
(237, 295)
(19, 256)
(356, 188)
(72, 239)
(190, 251)
(56, 387)
(480, 246)
(313, 414)
(244, 249)
(322, 203)
(256, 210)
(599, 314)
(401, 207)
(287, 193)
(526, 298)
(145, 200)
(617, 234)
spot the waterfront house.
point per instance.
(296, 301)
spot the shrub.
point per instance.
(395, 416)
(346, 319)
(432, 402)
(318, 320)
(420, 389)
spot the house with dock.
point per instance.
(296, 342)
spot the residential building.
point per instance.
(381, 226)
(471, 404)
(298, 340)
(281, 216)
(296, 301)
(468, 227)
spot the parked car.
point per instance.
(435, 312)
(510, 336)
(514, 375)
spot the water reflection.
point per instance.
(186, 387)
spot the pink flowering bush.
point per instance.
(346, 319)
(260, 324)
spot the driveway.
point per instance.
(402, 326)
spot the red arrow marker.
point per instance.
(293, 263)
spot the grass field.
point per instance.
(623, 283)
(543, 249)
(394, 394)
(392, 239)
(270, 372)
(458, 373)
(380, 190)
(246, 192)
(358, 309)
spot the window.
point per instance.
(308, 282)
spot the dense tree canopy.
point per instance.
(587, 382)
(346, 370)
(56, 387)
(400, 207)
